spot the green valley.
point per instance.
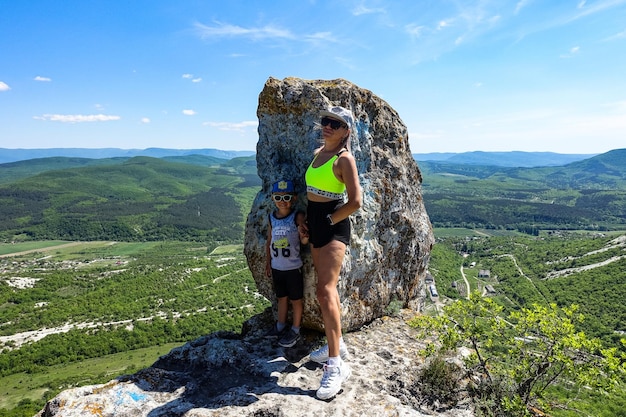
(105, 264)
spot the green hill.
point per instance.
(140, 198)
(194, 196)
(13, 171)
(588, 194)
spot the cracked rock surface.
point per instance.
(227, 374)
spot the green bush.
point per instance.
(438, 382)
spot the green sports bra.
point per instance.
(322, 181)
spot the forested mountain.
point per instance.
(139, 198)
(588, 194)
(191, 197)
(12, 171)
(12, 155)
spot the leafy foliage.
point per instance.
(515, 359)
(560, 268)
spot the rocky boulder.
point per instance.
(391, 234)
(232, 375)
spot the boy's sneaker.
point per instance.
(274, 333)
(332, 379)
(289, 339)
(321, 355)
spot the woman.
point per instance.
(330, 176)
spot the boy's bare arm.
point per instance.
(268, 256)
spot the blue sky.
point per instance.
(528, 75)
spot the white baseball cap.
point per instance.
(339, 113)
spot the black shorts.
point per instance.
(320, 231)
(288, 283)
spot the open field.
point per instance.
(20, 248)
(78, 313)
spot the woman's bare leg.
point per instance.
(327, 261)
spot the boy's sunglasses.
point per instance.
(286, 197)
(334, 124)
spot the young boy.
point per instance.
(284, 264)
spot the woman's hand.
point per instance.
(303, 231)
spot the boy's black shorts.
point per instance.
(288, 283)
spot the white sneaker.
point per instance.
(321, 355)
(332, 379)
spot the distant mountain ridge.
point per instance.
(607, 171)
(149, 198)
(513, 159)
(14, 155)
(589, 194)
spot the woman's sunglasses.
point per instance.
(285, 197)
(334, 124)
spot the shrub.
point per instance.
(515, 359)
(438, 383)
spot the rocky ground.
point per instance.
(226, 374)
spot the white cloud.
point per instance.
(321, 36)
(40, 78)
(77, 118)
(145, 120)
(442, 24)
(227, 30)
(520, 5)
(573, 51)
(238, 127)
(363, 9)
(415, 31)
(189, 112)
(190, 77)
(4, 86)
(619, 35)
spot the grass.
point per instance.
(444, 232)
(227, 249)
(33, 386)
(64, 250)
(8, 248)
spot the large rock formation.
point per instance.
(391, 234)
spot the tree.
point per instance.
(514, 360)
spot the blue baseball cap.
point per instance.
(284, 186)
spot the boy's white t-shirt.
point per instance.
(285, 244)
